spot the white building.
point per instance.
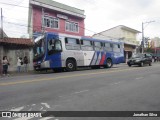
(123, 33)
(155, 42)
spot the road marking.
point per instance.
(23, 118)
(46, 105)
(80, 91)
(62, 77)
(41, 108)
(17, 109)
(33, 104)
(47, 118)
(115, 83)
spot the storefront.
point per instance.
(129, 50)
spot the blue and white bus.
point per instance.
(56, 51)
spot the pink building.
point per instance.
(51, 16)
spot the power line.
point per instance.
(14, 19)
(41, 27)
(13, 5)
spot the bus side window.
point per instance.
(119, 46)
(107, 46)
(66, 40)
(86, 45)
(111, 45)
(51, 46)
(72, 44)
(81, 42)
(77, 41)
(91, 42)
(116, 48)
(98, 46)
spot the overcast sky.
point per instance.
(100, 15)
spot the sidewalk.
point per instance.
(14, 73)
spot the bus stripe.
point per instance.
(92, 59)
(98, 58)
(102, 59)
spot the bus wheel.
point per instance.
(70, 65)
(109, 63)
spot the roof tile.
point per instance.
(18, 41)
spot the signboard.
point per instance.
(62, 16)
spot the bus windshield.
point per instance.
(39, 48)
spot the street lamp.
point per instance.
(143, 33)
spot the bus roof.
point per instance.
(82, 37)
(100, 40)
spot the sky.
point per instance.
(100, 15)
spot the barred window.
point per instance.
(71, 26)
(51, 22)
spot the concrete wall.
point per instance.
(13, 54)
(1, 57)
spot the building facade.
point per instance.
(122, 33)
(51, 16)
(14, 48)
(155, 42)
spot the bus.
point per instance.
(62, 51)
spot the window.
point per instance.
(71, 26)
(108, 46)
(39, 48)
(116, 48)
(51, 22)
(72, 44)
(54, 46)
(98, 46)
(51, 45)
(86, 45)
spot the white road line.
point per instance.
(46, 105)
(17, 109)
(116, 83)
(41, 108)
(47, 118)
(23, 118)
(80, 91)
(33, 104)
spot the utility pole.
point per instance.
(1, 24)
(142, 37)
(42, 29)
(143, 34)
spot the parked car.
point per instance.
(140, 59)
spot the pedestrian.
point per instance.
(19, 64)
(5, 64)
(25, 61)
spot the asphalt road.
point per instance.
(120, 88)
